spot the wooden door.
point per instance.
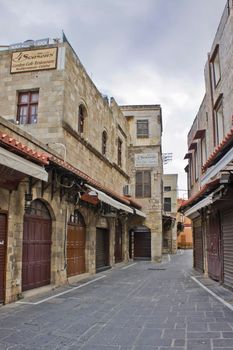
(198, 256)
(3, 223)
(102, 248)
(36, 267)
(118, 242)
(213, 247)
(76, 242)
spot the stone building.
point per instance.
(145, 171)
(184, 229)
(63, 213)
(169, 213)
(210, 156)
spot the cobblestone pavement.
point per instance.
(142, 307)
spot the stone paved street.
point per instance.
(143, 307)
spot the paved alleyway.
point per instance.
(142, 307)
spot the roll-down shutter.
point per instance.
(2, 255)
(102, 248)
(198, 246)
(227, 228)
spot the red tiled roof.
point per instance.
(18, 147)
(90, 181)
(133, 202)
(218, 149)
(207, 187)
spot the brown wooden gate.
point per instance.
(3, 222)
(118, 242)
(227, 229)
(198, 246)
(76, 243)
(213, 247)
(102, 248)
(141, 246)
(36, 268)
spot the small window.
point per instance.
(119, 152)
(143, 184)
(167, 204)
(191, 173)
(167, 188)
(216, 67)
(196, 165)
(104, 143)
(27, 108)
(203, 151)
(77, 219)
(81, 118)
(143, 128)
(219, 122)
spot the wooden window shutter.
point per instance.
(139, 187)
(147, 184)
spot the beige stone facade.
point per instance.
(210, 155)
(90, 145)
(184, 229)
(170, 183)
(145, 155)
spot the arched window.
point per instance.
(77, 219)
(81, 117)
(104, 143)
(39, 209)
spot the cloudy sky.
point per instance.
(139, 51)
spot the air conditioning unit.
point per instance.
(127, 190)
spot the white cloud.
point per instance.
(150, 51)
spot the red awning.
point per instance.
(201, 193)
(219, 149)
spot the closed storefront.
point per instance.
(36, 269)
(76, 241)
(102, 248)
(2, 255)
(118, 242)
(227, 228)
(198, 245)
(141, 243)
(213, 247)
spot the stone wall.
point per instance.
(152, 206)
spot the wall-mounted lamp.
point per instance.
(27, 202)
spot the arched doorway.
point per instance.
(140, 243)
(76, 243)
(118, 242)
(36, 267)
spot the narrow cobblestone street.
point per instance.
(141, 306)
